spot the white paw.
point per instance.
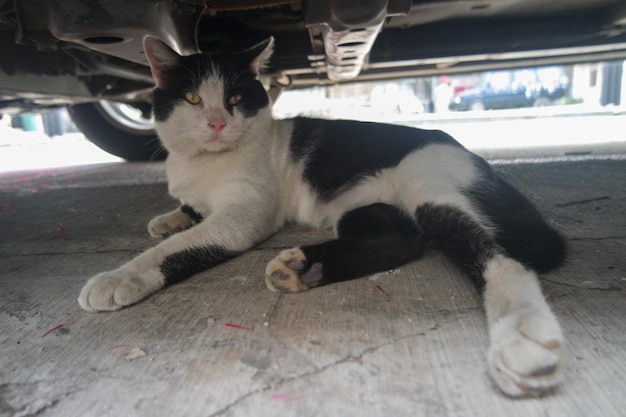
(116, 289)
(284, 274)
(526, 354)
(168, 224)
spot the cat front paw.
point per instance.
(290, 272)
(168, 224)
(526, 354)
(113, 290)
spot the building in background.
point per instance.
(600, 83)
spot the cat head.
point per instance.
(207, 102)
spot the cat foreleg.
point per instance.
(218, 238)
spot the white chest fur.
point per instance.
(216, 180)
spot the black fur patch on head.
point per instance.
(186, 76)
(239, 79)
(233, 69)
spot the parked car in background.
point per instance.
(513, 89)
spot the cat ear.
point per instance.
(259, 55)
(161, 58)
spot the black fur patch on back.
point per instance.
(340, 152)
(181, 265)
(193, 70)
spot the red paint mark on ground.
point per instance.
(143, 400)
(380, 290)
(55, 328)
(119, 346)
(236, 326)
(287, 397)
(65, 238)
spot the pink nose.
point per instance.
(217, 125)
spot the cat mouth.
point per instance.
(212, 137)
(214, 142)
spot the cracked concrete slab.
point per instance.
(405, 342)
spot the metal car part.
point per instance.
(348, 29)
(114, 28)
(99, 42)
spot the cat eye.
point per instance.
(192, 97)
(234, 99)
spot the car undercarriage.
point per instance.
(81, 52)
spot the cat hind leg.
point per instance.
(526, 355)
(526, 352)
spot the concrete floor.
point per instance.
(407, 342)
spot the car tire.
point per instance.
(477, 106)
(109, 126)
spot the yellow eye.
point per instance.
(192, 97)
(234, 99)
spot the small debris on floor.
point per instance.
(134, 353)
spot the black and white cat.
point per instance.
(387, 191)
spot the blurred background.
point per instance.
(532, 112)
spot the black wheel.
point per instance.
(119, 129)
